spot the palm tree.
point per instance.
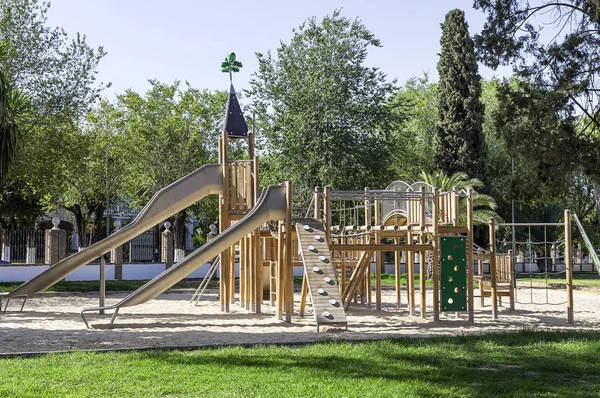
(13, 105)
(484, 206)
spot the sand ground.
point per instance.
(52, 322)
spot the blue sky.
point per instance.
(187, 39)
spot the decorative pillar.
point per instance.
(56, 243)
(6, 234)
(116, 254)
(31, 253)
(167, 252)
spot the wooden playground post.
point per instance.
(494, 290)
(303, 296)
(224, 222)
(243, 277)
(397, 258)
(435, 242)
(422, 266)
(455, 204)
(410, 274)
(367, 277)
(327, 211)
(511, 278)
(317, 201)
(257, 241)
(378, 264)
(280, 272)
(470, 304)
(289, 263)
(568, 266)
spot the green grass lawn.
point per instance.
(549, 364)
(94, 286)
(585, 279)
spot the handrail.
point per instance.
(588, 244)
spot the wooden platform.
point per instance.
(318, 268)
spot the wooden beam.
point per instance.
(382, 247)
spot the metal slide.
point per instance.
(171, 199)
(588, 244)
(271, 206)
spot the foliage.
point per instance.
(460, 141)
(414, 141)
(58, 77)
(167, 133)
(557, 83)
(483, 205)
(525, 363)
(14, 106)
(58, 74)
(324, 117)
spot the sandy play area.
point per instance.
(51, 322)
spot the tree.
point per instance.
(460, 141)
(168, 133)
(58, 75)
(415, 140)
(324, 117)
(484, 206)
(13, 105)
(557, 86)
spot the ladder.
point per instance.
(207, 278)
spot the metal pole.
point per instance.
(514, 249)
(102, 282)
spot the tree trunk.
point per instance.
(79, 225)
(179, 231)
(96, 213)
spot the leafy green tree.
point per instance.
(415, 140)
(168, 133)
(58, 75)
(460, 140)
(558, 75)
(324, 117)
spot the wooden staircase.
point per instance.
(320, 274)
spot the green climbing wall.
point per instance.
(454, 273)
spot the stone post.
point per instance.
(31, 253)
(56, 243)
(5, 253)
(167, 247)
(116, 254)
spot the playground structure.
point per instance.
(335, 247)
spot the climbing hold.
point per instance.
(307, 227)
(323, 258)
(327, 280)
(311, 248)
(333, 301)
(321, 291)
(316, 269)
(318, 237)
(326, 314)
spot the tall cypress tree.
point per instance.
(460, 142)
